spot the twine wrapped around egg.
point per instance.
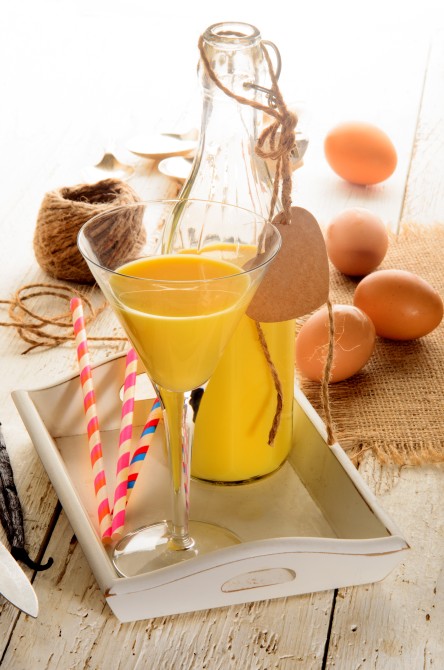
(64, 211)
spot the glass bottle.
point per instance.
(237, 407)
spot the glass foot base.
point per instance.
(148, 549)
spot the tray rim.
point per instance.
(112, 584)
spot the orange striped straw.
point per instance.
(126, 433)
(89, 404)
(143, 445)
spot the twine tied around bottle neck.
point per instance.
(281, 143)
(280, 146)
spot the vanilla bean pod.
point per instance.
(11, 515)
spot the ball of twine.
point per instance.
(64, 211)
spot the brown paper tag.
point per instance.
(297, 281)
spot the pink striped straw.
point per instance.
(143, 445)
(126, 433)
(89, 404)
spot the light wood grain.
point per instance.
(398, 623)
(425, 186)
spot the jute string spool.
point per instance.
(277, 142)
(64, 211)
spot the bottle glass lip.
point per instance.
(232, 33)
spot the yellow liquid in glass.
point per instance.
(180, 330)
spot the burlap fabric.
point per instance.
(395, 405)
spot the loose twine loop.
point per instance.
(276, 142)
(41, 331)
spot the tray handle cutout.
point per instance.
(259, 578)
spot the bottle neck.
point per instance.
(226, 167)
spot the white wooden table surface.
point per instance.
(73, 74)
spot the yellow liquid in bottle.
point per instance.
(237, 408)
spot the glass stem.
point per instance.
(179, 435)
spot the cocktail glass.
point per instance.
(179, 289)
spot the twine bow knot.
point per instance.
(287, 137)
(281, 136)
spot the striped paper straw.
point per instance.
(89, 404)
(143, 445)
(126, 433)
(186, 479)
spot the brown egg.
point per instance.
(354, 342)
(360, 153)
(356, 241)
(401, 305)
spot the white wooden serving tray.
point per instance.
(310, 526)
